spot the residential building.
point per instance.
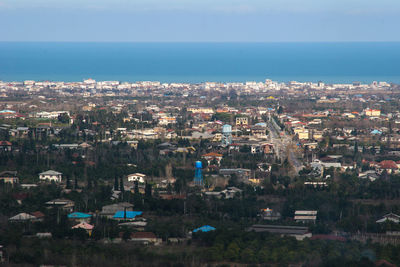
(270, 214)
(387, 165)
(136, 177)
(296, 231)
(85, 226)
(50, 175)
(372, 112)
(127, 215)
(204, 229)
(110, 210)
(211, 157)
(80, 217)
(144, 238)
(305, 216)
(9, 177)
(241, 121)
(200, 110)
(65, 204)
(391, 217)
(23, 217)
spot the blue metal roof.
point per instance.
(376, 132)
(204, 228)
(128, 215)
(79, 215)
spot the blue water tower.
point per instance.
(198, 176)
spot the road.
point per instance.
(283, 145)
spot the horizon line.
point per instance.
(215, 42)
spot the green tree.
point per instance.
(148, 189)
(247, 255)
(121, 185)
(63, 118)
(232, 251)
(116, 187)
(136, 187)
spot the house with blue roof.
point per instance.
(80, 216)
(126, 215)
(375, 132)
(204, 229)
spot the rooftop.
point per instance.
(50, 172)
(204, 228)
(79, 215)
(127, 214)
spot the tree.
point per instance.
(234, 180)
(247, 255)
(147, 190)
(263, 254)
(232, 251)
(121, 185)
(116, 187)
(63, 118)
(68, 186)
(136, 187)
(89, 184)
(216, 252)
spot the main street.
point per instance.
(283, 145)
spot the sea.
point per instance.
(201, 62)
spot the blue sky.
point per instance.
(200, 21)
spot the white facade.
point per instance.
(51, 176)
(139, 177)
(51, 115)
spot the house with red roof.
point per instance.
(387, 165)
(5, 146)
(38, 215)
(9, 177)
(212, 156)
(85, 226)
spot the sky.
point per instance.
(200, 20)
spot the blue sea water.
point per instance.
(199, 62)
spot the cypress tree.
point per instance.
(68, 183)
(147, 190)
(116, 187)
(136, 187)
(121, 185)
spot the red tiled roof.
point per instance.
(388, 164)
(5, 143)
(20, 196)
(38, 214)
(212, 154)
(143, 235)
(384, 263)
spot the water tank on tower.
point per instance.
(198, 176)
(226, 135)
